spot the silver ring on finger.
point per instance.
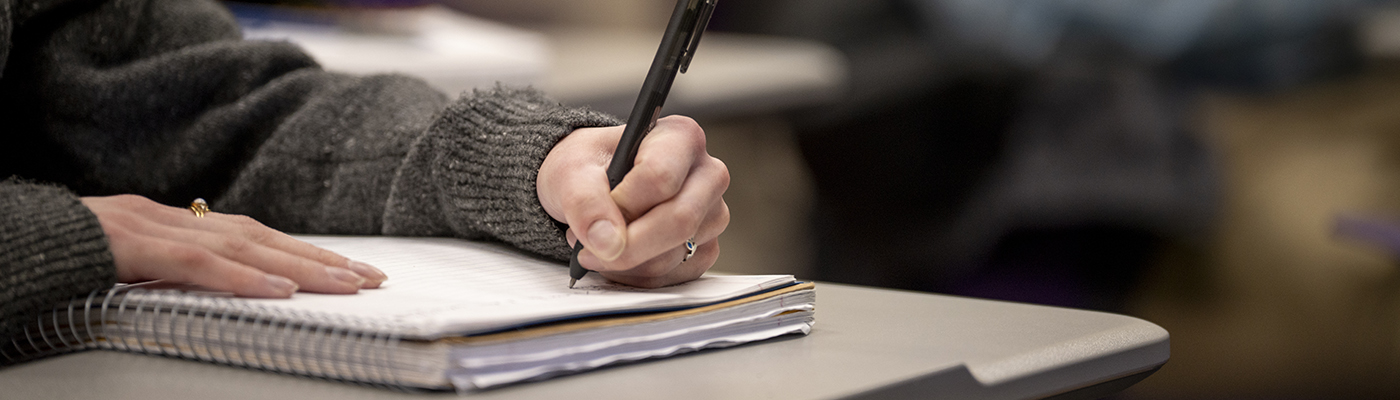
(690, 249)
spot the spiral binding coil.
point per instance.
(216, 330)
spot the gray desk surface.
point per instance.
(867, 342)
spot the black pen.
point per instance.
(677, 49)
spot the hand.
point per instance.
(636, 233)
(222, 252)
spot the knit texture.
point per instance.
(328, 167)
(51, 247)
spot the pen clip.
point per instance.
(707, 9)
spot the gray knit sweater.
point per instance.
(162, 98)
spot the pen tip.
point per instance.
(572, 282)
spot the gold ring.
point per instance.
(199, 207)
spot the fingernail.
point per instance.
(368, 271)
(283, 286)
(606, 242)
(345, 275)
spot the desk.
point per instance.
(867, 343)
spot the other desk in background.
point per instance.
(731, 76)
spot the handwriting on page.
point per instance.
(607, 287)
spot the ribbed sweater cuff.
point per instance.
(51, 249)
(473, 173)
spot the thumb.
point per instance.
(596, 220)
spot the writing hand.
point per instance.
(222, 252)
(635, 234)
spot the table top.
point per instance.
(867, 342)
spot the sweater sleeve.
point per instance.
(164, 99)
(472, 174)
(51, 249)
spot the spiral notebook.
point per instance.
(454, 315)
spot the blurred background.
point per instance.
(1229, 170)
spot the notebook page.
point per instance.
(439, 287)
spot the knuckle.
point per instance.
(193, 257)
(235, 244)
(328, 257)
(696, 136)
(252, 229)
(722, 217)
(264, 235)
(723, 172)
(714, 250)
(687, 124)
(687, 128)
(673, 180)
(662, 181)
(246, 221)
